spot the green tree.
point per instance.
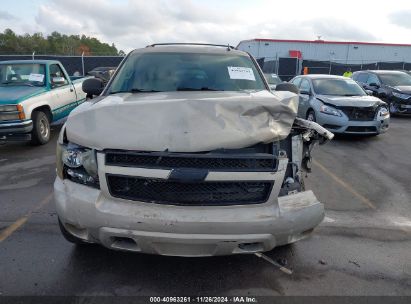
(54, 44)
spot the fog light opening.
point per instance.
(124, 243)
(251, 247)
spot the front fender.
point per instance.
(32, 103)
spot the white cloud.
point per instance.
(401, 18)
(6, 16)
(136, 23)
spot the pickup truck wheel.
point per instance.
(69, 237)
(41, 128)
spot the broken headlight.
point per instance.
(401, 95)
(77, 164)
(329, 110)
(383, 113)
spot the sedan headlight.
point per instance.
(401, 95)
(329, 110)
(77, 164)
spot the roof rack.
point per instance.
(229, 47)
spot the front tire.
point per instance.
(41, 128)
(311, 116)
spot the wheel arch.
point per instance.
(310, 108)
(46, 109)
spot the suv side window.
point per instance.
(305, 86)
(372, 78)
(361, 77)
(56, 71)
(296, 82)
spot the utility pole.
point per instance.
(82, 62)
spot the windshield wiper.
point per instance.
(135, 91)
(143, 91)
(20, 83)
(197, 89)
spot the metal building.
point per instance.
(321, 50)
(287, 57)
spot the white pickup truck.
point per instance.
(33, 95)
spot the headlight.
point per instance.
(8, 108)
(401, 95)
(329, 110)
(383, 113)
(12, 112)
(77, 164)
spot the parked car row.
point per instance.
(361, 105)
(393, 87)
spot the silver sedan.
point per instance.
(341, 105)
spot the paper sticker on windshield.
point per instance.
(36, 77)
(241, 73)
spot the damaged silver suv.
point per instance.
(187, 152)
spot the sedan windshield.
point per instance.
(397, 79)
(161, 72)
(338, 87)
(22, 74)
(272, 79)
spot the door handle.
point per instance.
(71, 90)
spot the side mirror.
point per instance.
(285, 86)
(373, 84)
(93, 86)
(369, 92)
(58, 81)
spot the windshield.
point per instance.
(272, 79)
(397, 79)
(338, 87)
(30, 74)
(160, 72)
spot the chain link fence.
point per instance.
(73, 64)
(287, 68)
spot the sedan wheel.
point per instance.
(311, 116)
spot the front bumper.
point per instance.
(94, 216)
(400, 106)
(342, 125)
(16, 131)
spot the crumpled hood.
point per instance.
(351, 101)
(404, 89)
(183, 121)
(13, 94)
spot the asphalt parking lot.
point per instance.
(363, 247)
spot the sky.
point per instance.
(131, 24)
